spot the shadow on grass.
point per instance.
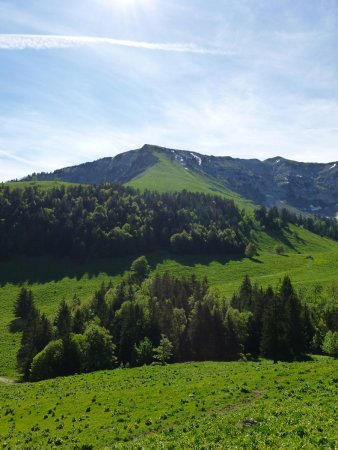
(256, 260)
(16, 325)
(282, 237)
(305, 358)
(45, 269)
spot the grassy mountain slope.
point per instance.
(190, 406)
(52, 279)
(40, 184)
(170, 176)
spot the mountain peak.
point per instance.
(309, 187)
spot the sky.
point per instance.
(84, 79)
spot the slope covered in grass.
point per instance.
(170, 176)
(308, 259)
(40, 184)
(196, 405)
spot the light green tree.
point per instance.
(164, 351)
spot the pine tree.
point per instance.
(63, 321)
(24, 304)
(294, 319)
(232, 345)
(36, 335)
(270, 346)
(245, 294)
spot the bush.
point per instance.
(140, 268)
(250, 250)
(144, 352)
(48, 363)
(164, 351)
(279, 249)
(330, 344)
(100, 350)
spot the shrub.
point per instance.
(250, 250)
(144, 352)
(48, 363)
(330, 344)
(100, 350)
(140, 268)
(279, 249)
(164, 351)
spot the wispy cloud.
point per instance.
(40, 42)
(10, 156)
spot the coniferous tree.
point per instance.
(78, 322)
(295, 341)
(63, 321)
(36, 335)
(24, 304)
(270, 345)
(232, 347)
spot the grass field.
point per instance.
(268, 268)
(40, 184)
(52, 279)
(170, 176)
(182, 406)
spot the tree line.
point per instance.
(157, 317)
(110, 219)
(274, 219)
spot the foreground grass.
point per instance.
(53, 279)
(196, 405)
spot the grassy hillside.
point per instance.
(40, 184)
(196, 405)
(54, 279)
(308, 259)
(170, 176)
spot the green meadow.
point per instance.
(251, 405)
(40, 184)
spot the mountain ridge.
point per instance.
(277, 181)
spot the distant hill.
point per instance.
(308, 187)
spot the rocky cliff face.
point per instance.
(310, 187)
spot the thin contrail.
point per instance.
(38, 42)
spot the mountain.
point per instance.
(308, 187)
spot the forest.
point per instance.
(149, 318)
(111, 220)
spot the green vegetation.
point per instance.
(184, 318)
(309, 259)
(40, 184)
(111, 220)
(142, 315)
(170, 176)
(197, 405)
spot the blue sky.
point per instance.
(84, 79)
